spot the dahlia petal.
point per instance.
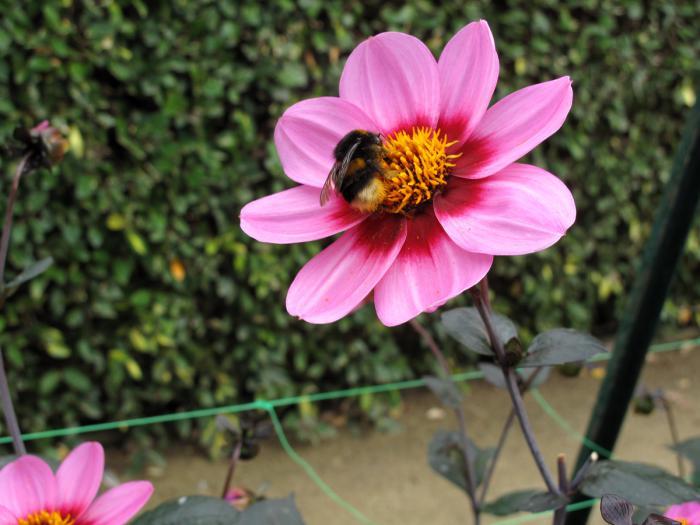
(119, 505)
(468, 69)
(394, 78)
(7, 517)
(27, 485)
(430, 270)
(521, 209)
(514, 126)
(307, 133)
(295, 215)
(689, 511)
(79, 478)
(336, 280)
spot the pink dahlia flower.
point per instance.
(31, 494)
(451, 195)
(687, 513)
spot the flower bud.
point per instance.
(50, 144)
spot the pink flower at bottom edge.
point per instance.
(31, 494)
(450, 195)
(687, 513)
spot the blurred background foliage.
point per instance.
(157, 300)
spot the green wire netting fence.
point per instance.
(269, 406)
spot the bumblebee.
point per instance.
(358, 172)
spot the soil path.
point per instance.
(386, 476)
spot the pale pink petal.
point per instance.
(27, 485)
(689, 511)
(521, 209)
(429, 270)
(394, 78)
(79, 478)
(468, 69)
(307, 133)
(295, 215)
(514, 126)
(7, 517)
(336, 280)
(119, 505)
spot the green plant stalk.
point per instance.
(514, 391)
(8, 408)
(469, 475)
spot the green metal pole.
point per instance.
(662, 251)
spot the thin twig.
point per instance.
(581, 474)
(560, 513)
(514, 391)
(674, 433)
(563, 478)
(5, 395)
(9, 211)
(502, 441)
(9, 410)
(233, 462)
(484, 291)
(492, 464)
(469, 475)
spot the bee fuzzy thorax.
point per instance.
(370, 197)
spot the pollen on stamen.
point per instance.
(47, 518)
(418, 166)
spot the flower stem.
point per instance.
(674, 432)
(233, 462)
(560, 513)
(502, 440)
(514, 391)
(469, 475)
(5, 395)
(581, 474)
(9, 410)
(492, 465)
(9, 210)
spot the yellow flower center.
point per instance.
(418, 166)
(47, 518)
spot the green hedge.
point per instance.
(171, 107)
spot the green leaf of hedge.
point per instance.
(559, 346)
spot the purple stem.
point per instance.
(514, 391)
(5, 395)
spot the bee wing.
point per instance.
(330, 185)
(335, 177)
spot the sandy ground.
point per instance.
(386, 476)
